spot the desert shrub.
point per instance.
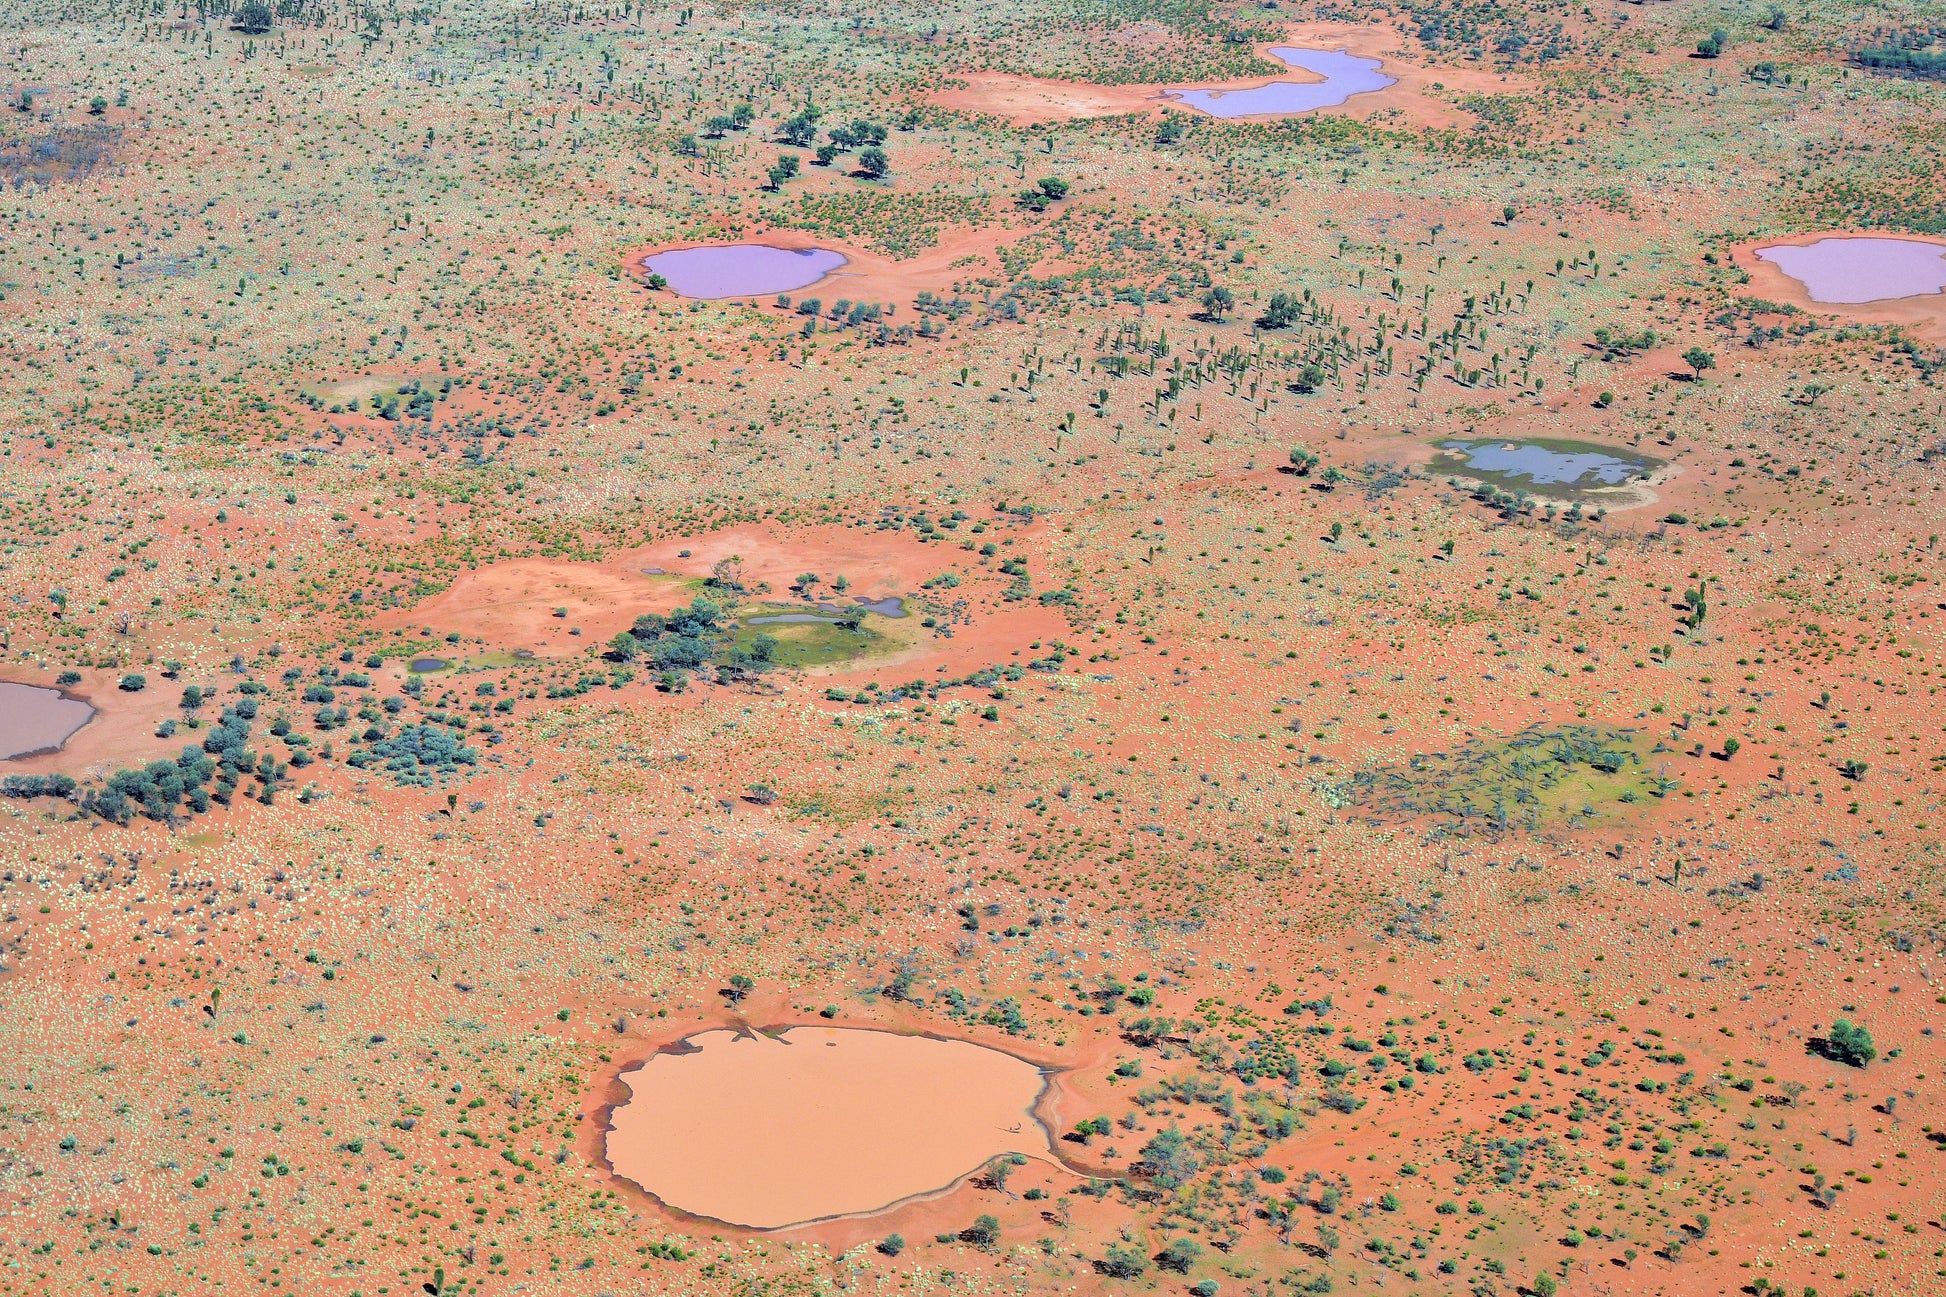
(417, 755)
(1179, 1255)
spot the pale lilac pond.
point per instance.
(742, 269)
(1344, 75)
(1844, 271)
(33, 719)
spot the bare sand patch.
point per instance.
(534, 603)
(816, 1122)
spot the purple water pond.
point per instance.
(1344, 75)
(33, 719)
(1852, 270)
(742, 269)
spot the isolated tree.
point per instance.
(873, 164)
(97, 106)
(785, 168)
(1698, 360)
(1850, 1045)
(1282, 312)
(1217, 302)
(984, 1232)
(1054, 187)
(254, 17)
(799, 130)
(1179, 1255)
(739, 989)
(1507, 214)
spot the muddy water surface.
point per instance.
(33, 719)
(820, 1121)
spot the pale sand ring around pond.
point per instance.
(1922, 312)
(1849, 271)
(714, 271)
(819, 1122)
(1344, 75)
(34, 719)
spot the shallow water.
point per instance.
(822, 1121)
(1847, 271)
(742, 269)
(34, 719)
(1545, 466)
(893, 607)
(1344, 75)
(430, 664)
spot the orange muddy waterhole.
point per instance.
(819, 1121)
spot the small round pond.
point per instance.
(1846, 271)
(423, 665)
(741, 269)
(764, 1131)
(1549, 463)
(35, 719)
(1344, 75)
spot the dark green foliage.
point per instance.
(1282, 312)
(254, 17)
(1848, 1044)
(984, 1232)
(1898, 58)
(417, 755)
(1169, 1159)
(1179, 1255)
(36, 786)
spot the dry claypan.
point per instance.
(813, 1122)
(1266, 684)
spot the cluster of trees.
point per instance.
(689, 639)
(868, 137)
(1898, 58)
(161, 790)
(416, 755)
(1617, 344)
